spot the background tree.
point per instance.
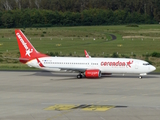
(27, 13)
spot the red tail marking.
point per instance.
(87, 56)
(26, 48)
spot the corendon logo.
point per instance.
(129, 63)
(28, 51)
(117, 64)
(93, 73)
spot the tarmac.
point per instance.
(37, 95)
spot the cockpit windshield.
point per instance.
(146, 64)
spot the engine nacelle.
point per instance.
(95, 73)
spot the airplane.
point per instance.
(89, 68)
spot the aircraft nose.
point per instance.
(153, 68)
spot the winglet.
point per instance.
(86, 54)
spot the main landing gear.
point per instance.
(80, 75)
(140, 77)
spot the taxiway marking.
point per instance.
(81, 107)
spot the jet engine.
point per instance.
(95, 73)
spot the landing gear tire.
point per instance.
(79, 76)
(140, 77)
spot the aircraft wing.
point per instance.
(62, 68)
(74, 69)
(68, 69)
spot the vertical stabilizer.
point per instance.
(27, 51)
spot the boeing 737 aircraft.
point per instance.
(89, 68)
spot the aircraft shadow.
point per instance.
(73, 75)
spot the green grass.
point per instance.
(67, 45)
(66, 40)
(15, 66)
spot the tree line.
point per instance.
(47, 18)
(150, 7)
(27, 13)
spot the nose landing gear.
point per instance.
(142, 74)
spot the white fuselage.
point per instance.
(105, 65)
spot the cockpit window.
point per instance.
(146, 64)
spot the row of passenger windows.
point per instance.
(94, 63)
(70, 63)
